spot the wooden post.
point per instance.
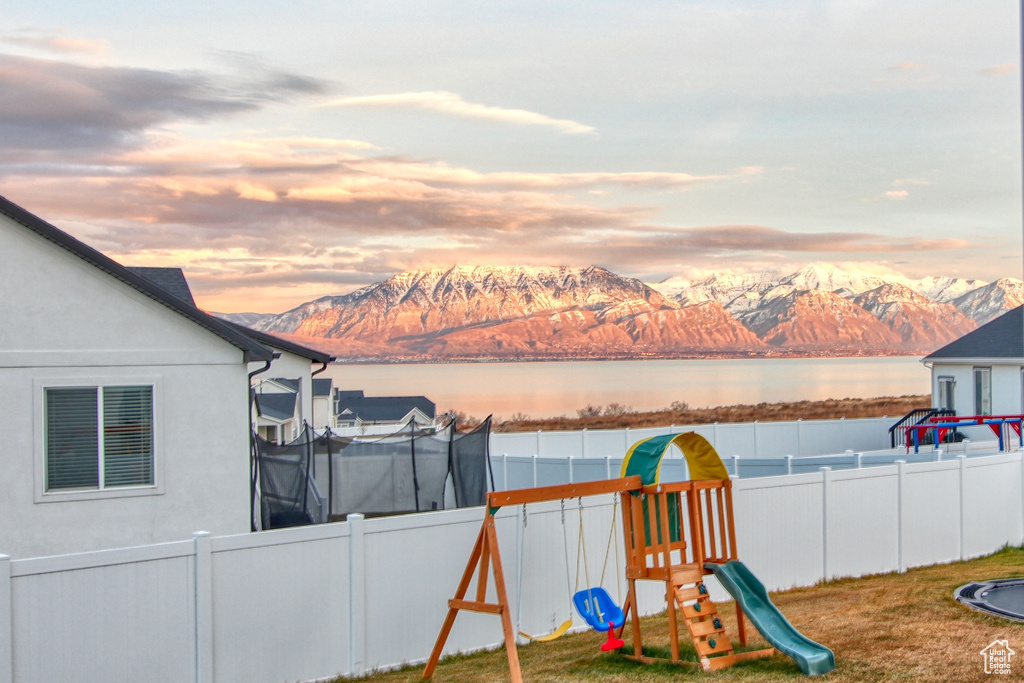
(486, 555)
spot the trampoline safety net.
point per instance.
(324, 477)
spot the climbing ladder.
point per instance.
(701, 618)
(657, 526)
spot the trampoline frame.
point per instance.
(973, 595)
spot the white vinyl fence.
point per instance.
(346, 598)
(751, 439)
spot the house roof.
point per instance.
(171, 280)
(251, 350)
(322, 386)
(282, 344)
(384, 408)
(1002, 337)
(291, 383)
(279, 406)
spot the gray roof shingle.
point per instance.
(1002, 337)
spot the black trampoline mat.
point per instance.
(1006, 598)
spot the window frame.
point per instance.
(949, 381)
(976, 371)
(40, 387)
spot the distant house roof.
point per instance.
(383, 408)
(292, 384)
(279, 406)
(1002, 337)
(171, 280)
(322, 387)
(348, 393)
(281, 344)
(251, 350)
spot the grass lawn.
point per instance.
(889, 627)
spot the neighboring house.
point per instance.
(353, 409)
(295, 363)
(982, 373)
(323, 391)
(277, 407)
(127, 407)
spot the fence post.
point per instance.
(504, 471)
(539, 450)
(963, 521)
(901, 510)
(357, 594)
(569, 461)
(625, 438)
(736, 465)
(799, 435)
(757, 431)
(826, 484)
(842, 431)
(6, 622)
(608, 466)
(534, 470)
(583, 443)
(204, 606)
(789, 464)
(858, 459)
(714, 435)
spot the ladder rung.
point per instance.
(688, 594)
(700, 609)
(686, 573)
(700, 629)
(722, 646)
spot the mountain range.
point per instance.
(518, 312)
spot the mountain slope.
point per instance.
(561, 312)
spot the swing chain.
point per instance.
(562, 503)
(524, 516)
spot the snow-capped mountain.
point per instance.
(561, 312)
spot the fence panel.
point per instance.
(992, 500)
(779, 529)
(122, 615)
(775, 440)
(931, 513)
(290, 580)
(863, 522)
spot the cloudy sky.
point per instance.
(281, 151)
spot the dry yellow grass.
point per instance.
(891, 627)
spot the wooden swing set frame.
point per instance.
(656, 520)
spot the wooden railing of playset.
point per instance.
(700, 511)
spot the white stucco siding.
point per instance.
(201, 452)
(1006, 385)
(68, 323)
(59, 310)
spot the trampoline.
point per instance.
(1002, 597)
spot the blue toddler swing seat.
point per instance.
(601, 612)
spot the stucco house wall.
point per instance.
(69, 323)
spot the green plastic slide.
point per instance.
(752, 597)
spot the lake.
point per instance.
(545, 389)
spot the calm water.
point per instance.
(560, 388)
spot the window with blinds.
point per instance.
(99, 437)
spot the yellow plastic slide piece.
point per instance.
(644, 458)
(557, 633)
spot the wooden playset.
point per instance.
(675, 533)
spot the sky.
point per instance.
(283, 151)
